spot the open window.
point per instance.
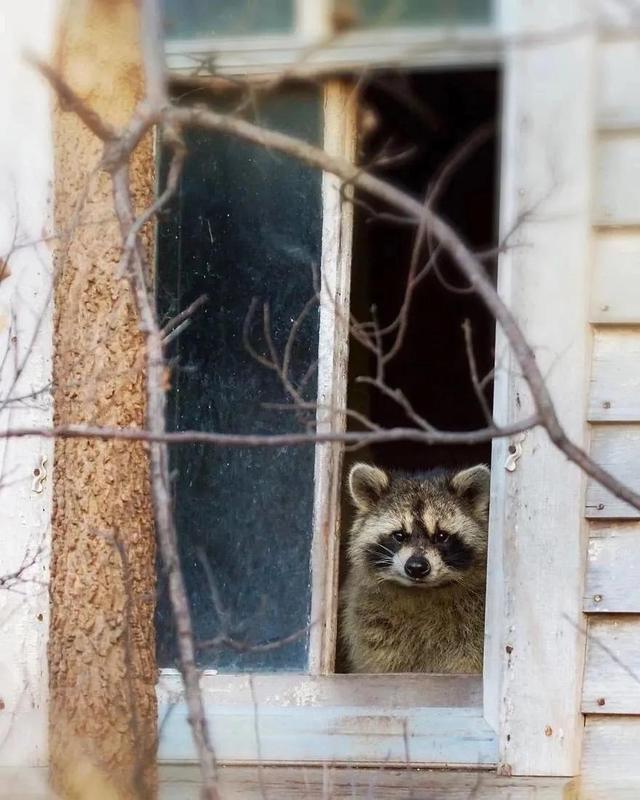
(259, 233)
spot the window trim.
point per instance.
(252, 56)
(280, 718)
(307, 706)
(314, 48)
(340, 119)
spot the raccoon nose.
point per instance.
(417, 567)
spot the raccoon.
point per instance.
(414, 597)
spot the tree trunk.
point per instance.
(102, 642)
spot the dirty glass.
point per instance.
(186, 19)
(246, 223)
(390, 13)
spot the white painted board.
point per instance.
(615, 292)
(616, 447)
(612, 581)
(617, 180)
(610, 762)
(614, 388)
(612, 670)
(618, 84)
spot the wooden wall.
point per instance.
(611, 690)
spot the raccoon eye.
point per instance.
(400, 536)
(441, 537)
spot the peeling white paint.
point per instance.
(26, 173)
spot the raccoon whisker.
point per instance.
(381, 546)
(383, 562)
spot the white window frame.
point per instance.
(509, 717)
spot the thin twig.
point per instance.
(473, 371)
(184, 315)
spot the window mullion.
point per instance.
(337, 231)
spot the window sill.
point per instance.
(429, 720)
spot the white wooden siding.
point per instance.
(615, 447)
(612, 671)
(617, 180)
(618, 84)
(615, 297)
(611, 766)
(613, 569)
(615, 377)
(26, 170)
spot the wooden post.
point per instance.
(102, 643)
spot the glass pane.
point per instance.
(201, 18)
(390, 13)
(246, 223)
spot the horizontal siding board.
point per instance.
(613, 569)
(615, 294)
(618, 84)
(616, 447)
(617, 180)
(612, 669)
(321, 783)
(610, 758)
(614, 394)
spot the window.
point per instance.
(260, 529)
(246, 224)
(222, 235)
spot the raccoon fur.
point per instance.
(414, 597)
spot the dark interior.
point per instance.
(424, 119)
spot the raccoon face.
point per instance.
(421, 532)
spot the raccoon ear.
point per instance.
(367, 484)
(473, 485)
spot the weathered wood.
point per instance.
(615, 293)
(612, 669)
(26, 321)
(536, 546)
(333, 348)
(356, 719)
(617, 180)
(614, 391)
(352, 51)
(613, 569)
(610, 763)
(617, 449)
(182, 782)
(618, 84)
(102, 638)
(322, 783)
(288, 689)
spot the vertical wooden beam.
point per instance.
(335, 288)
(102, 643)
(537, 545)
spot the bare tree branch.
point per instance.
(273, 440)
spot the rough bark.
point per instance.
(102, 647)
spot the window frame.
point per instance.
(312, 48)
(418, 718)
